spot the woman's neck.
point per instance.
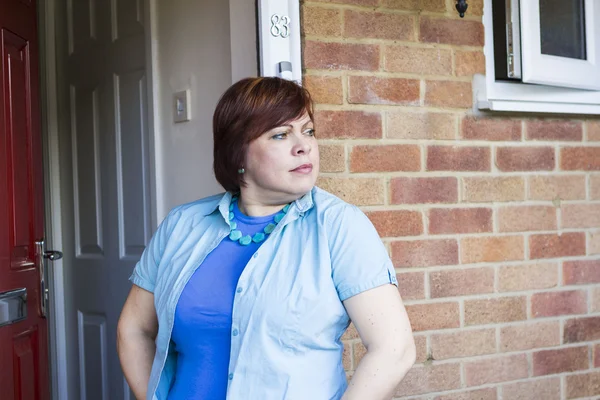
(256, 208)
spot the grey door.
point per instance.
(104, 156)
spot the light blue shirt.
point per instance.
(288, 315)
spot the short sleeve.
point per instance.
(145, 271)
(359, 258)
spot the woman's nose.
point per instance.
(302, 147)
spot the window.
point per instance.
(541, 56)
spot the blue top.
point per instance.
(202, 329)
(287, 307)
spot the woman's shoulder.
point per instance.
(193, 209)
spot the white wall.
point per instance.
(192, 49)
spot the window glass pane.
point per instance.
(562, 25)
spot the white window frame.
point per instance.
(522, 97)
(560, 71)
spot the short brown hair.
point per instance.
(246, 110)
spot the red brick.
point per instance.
(348, 125)
(385, 158)
(597, 356)
(448, 94)
(583, 385)
(397, 222)
(580, 216)
(425, 317)
(375, 25)
(552, 304)
(421, 125)
(530, 336)
(478, 394)
(491, 129)
(525, 159)
(415, 5)
(595, 187)
(546, 389)
(321, 21)
(341, 56)
(418, 60)
(461, 282)
(582, 330)
(332, 158)
(325, 89)
(430, 378)
(376, 90)
(554, 130)
(593, 131)
(527, 277)
(351, 333)
(596, 300)
(347, 356)
(469, 63)
(365, 3)
(552, 246)
(451, 31)
(581, 272)
(498, 369)
(527, 218)
(594, 243)
(458, 158)
(411, 285)
(548, 362)
(494, 311)
(580, 158)
(492, 249)
(460, 220)
(424, 253)
(475, 7)
(570, 187)
(465, 343)
(424, 190)
(494, 189)
(358, 191)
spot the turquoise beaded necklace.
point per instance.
(237, 236)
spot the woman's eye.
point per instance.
(310, 132)
(279, 136)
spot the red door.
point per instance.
(23, 338)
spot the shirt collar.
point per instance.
(302, 204)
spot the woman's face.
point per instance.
(283, 163)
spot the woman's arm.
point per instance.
(137, 329)
(382, 323)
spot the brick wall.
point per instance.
(493, 223)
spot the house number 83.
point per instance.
(280, 25)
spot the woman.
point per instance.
(245, 295)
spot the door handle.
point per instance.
(41, 255)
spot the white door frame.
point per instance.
(242, 22)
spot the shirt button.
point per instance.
(235, 332)
(239, 290)
(231, 376)
(255, 255)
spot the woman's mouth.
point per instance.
(303, 169)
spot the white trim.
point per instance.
(52, 201)
(560, 71)
(275, 49)
(522, 97)
(152, 92)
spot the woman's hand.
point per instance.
(136, 332)
(382, 323)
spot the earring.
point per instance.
(241, 170)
